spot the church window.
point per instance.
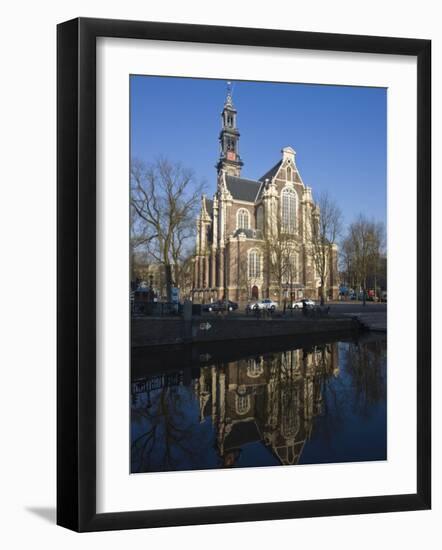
(242, 219)
(254, 264)
(242, 404)
(255, 367)
(288, 209)
(289, 173)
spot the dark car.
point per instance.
(220, 305)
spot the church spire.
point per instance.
(229, 160)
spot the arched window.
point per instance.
(254, 264)
(242, 219)
(289, 173)
(242, 404)
(288, 209)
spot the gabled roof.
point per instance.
(272, 172)
(243, 189)
(268, 175)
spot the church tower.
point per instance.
(229, 160)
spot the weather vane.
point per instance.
(229, 91)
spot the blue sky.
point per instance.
(339, 133)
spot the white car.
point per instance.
(263, 304)
(299, 304)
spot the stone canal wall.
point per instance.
(150, 331)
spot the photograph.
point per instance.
(228, 213)
(258, 274)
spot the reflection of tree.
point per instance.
(164, 432)
(366, 366)
(356, 388)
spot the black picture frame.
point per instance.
(76, 274)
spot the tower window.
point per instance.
(230, 144)
(242, 219)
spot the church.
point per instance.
(254, 237)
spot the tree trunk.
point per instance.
(322, 292)
(168, 271)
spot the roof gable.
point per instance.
(272, 172)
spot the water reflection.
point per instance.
(312, 404)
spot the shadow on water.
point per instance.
(284, 402)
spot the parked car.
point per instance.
(220, 305)
(299, 304)
(266, 304)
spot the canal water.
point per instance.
(263, 405)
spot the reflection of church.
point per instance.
(272, 399)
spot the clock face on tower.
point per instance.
(230, 155)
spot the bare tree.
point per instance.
(325, 229)
(240, 273)
(364, 245)
(280, 257)
(138, 244)
(184, 274)
(164, 199)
